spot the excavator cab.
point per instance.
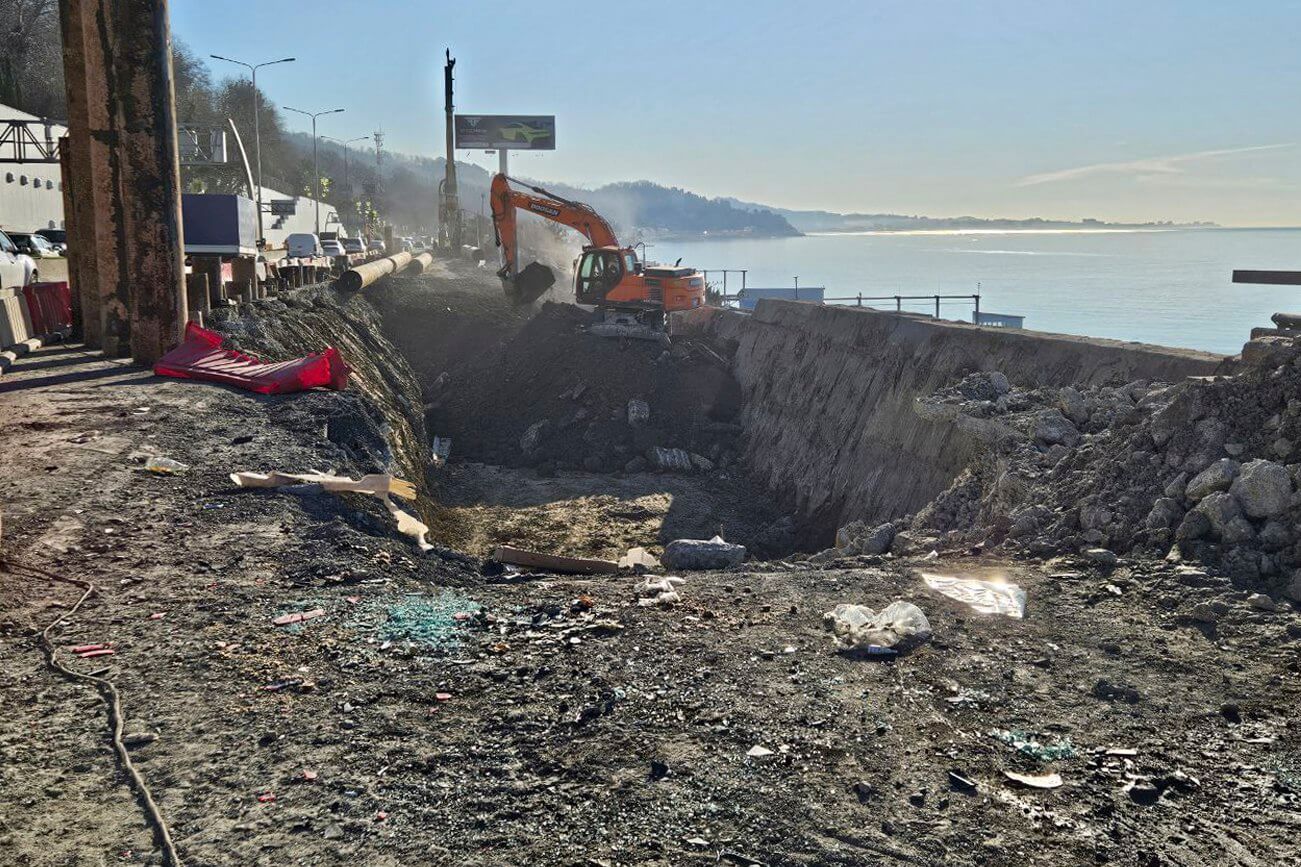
(600, 270)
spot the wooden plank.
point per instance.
(553, 562)
(1276, 278)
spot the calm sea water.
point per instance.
(1167, 287)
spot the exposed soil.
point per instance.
(566, 724)
(578, 386)
(443, 712)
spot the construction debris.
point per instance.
(899, 627)
(702, 554)
(552, 562)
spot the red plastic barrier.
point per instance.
(50, 306)
(200, 356)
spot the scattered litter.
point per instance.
(638, 560)
(702, 554)
(266, 797)
(83, 648)
(1043, 781)
(758, 752)
(659, 591)
(298, 617)
(91, 654)
(165, 466)
(309, 776)
(961, 783)
(442, 449)
(430, 621)
(1029, 744)
(157, 615)
(1120, 751)
(200, 356)
(553, 562)
(985, 596)
(442, 696)
(376, 484)
(898, 627)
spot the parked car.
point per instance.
(33, 245)
(332, 248)
(408, 245)
(375, 246)
(354, 245)
(16, 269)
(58, 239)
(302, 245)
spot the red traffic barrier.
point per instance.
(50, 306)
(200, 356)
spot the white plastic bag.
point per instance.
(987, 597)
(899, 626)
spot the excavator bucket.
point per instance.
(530, 284)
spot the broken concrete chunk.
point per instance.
(1220, 508)
(1052, 428)
(857, 538)
(1217, 477)
(701, 463)
(532, 438)
(1263, 488)
(702, 554)
(669, 460)
(1073, 405)
(638, 413)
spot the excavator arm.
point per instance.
(529, 284)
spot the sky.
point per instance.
(1125, 111)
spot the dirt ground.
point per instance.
(438, 715)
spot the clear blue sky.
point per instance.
(1138, 110)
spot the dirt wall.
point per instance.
(829, 391)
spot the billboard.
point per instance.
(523, 132)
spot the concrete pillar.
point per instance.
(197, 288)
(125, 169)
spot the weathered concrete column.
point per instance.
(118, 67)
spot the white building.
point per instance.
(31, 196)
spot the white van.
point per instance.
(302, 245)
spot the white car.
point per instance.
(16, 269)
(354, 245)
(375, 246)
(302, 245)
(332, 248)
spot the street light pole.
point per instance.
(345, 155)
(316, 167)
(257, 137)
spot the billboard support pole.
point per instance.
(451, 207)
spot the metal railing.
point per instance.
(899, 299)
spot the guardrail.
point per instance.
(899, 299)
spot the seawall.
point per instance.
(829, 391)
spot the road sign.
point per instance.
(521, 132)
(284, 207)
(201, 145)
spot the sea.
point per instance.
(1171, 287)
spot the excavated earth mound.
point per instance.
(554, 396)
(1205, 470)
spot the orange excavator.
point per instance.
(632, 297)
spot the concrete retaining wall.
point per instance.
(829, 391)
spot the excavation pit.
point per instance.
(560, 438)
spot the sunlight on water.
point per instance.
(1170, 287)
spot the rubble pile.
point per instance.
(552, 396)
(1205, 470)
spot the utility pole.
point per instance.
(316, 166)
(257, 136)
(451, 205)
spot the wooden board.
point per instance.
(552, 562)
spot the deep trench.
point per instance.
(491, 372)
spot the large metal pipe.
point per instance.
(421, 262)
(356, 279)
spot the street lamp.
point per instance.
(345, 155)
(316, 170)
(257, 138)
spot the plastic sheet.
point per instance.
(985, 596)
(200, 356)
